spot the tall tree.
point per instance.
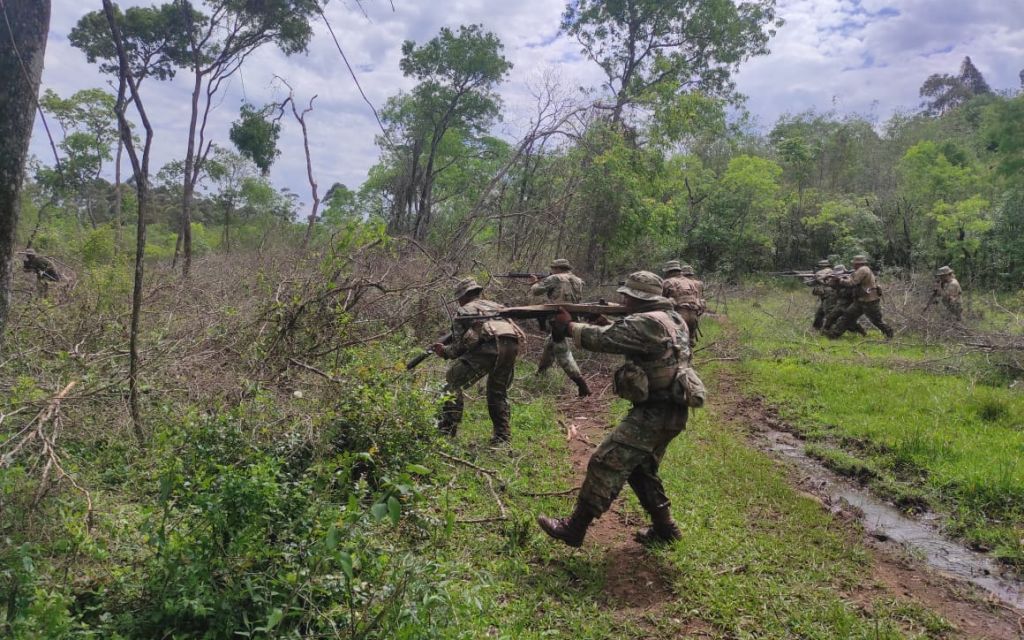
(689, 45)
(23, 37)
(458, 74)
(219, 40)
(943, 92)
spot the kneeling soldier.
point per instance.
(654, 340)
(487, 347)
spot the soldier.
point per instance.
(824, 293)
(841, 299)
(654, 339)
(687, 293)
(948, 288)
(561, 286)
(867, 300)
(484, 347)
(43, 268)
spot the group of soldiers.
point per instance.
(655, 335)
(846, 296)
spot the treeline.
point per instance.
(662, 162)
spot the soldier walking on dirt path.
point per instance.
(561, 286)
(825, 294)
(947, 288)
(654, 340)
(687, 292)
(487, 347)
(867, 300)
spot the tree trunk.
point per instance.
(21, 64)
(184, 243)
(118, 221)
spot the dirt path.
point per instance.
(894, 574)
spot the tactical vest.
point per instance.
(661, 369)
(567, 288)
(495, 327)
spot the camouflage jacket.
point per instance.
(820, 285)
(950, 290)
(655, 339)
(864, 284)
(468, 335)
(560, 287)
(43, 268)
(685, 292)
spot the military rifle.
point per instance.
(931, 299)
(522, 275)
(586, 309)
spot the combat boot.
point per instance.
(581, 385)
(663, 529)
(569, 530)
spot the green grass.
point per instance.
(946, 438)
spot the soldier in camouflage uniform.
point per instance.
(947, 287)
(842, 298)
(824, 293)
(683, 288)
(43, 268)
(561, 286)
(867, 300)
(654, 339)
(487, 347)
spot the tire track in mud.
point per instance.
(894, 573)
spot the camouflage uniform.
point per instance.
(948, 287)
(43, 268)
(867, 301)
(654, 339)
(483, 348)
(824, 293)
(842, 298)
(560, 287)
(687, 293)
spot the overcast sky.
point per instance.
(865, 56)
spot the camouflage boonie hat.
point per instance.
(670, 266)
(642, 285)
(560, 263)
(466, 286)
(30, 251)
(944, 271)
(861, 259)
(824, 263)
(838, 270)
(688, 270)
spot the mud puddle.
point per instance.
(919, 536)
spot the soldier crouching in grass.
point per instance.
(654, 340)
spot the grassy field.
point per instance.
(927, 424)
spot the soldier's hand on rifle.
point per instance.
(601, 320)
(438, 349)
(561, 319)
(534, 279)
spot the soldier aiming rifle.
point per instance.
(42, 267)
(560, 287)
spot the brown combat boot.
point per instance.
(582, 387)
(663, 529)
(569, 530)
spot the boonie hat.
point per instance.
(688, 270)
(560, 263)
(824, 263)
(466, 286)
(670, 266)
(944, 271)
(861, 259)
(642, 285)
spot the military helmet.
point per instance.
(860, 259)
(642, 285)
(670, 266)
(688, 270)
(944, 271)
(30, 252)
(466, 286)
(560, 263)
(824, 263)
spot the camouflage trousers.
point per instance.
(848, 322)
(954, 309)
(497, 361)
(835, 312)
(632, 453)
(561, 353)
(692, 319)
(825, 306)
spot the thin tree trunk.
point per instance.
(118, 221)
(184, 243)
(23, 38)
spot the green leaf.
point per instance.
(275, 618)
(332, 538)
(394, 509)
(378, 511)
(418, 469)
(345, 560)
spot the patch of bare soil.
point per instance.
(894, 575)
(634, 586)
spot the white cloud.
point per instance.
(855, 55)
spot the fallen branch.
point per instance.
(539, 494)
(466, 463)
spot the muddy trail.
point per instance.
(911, 559)
(975, 600)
